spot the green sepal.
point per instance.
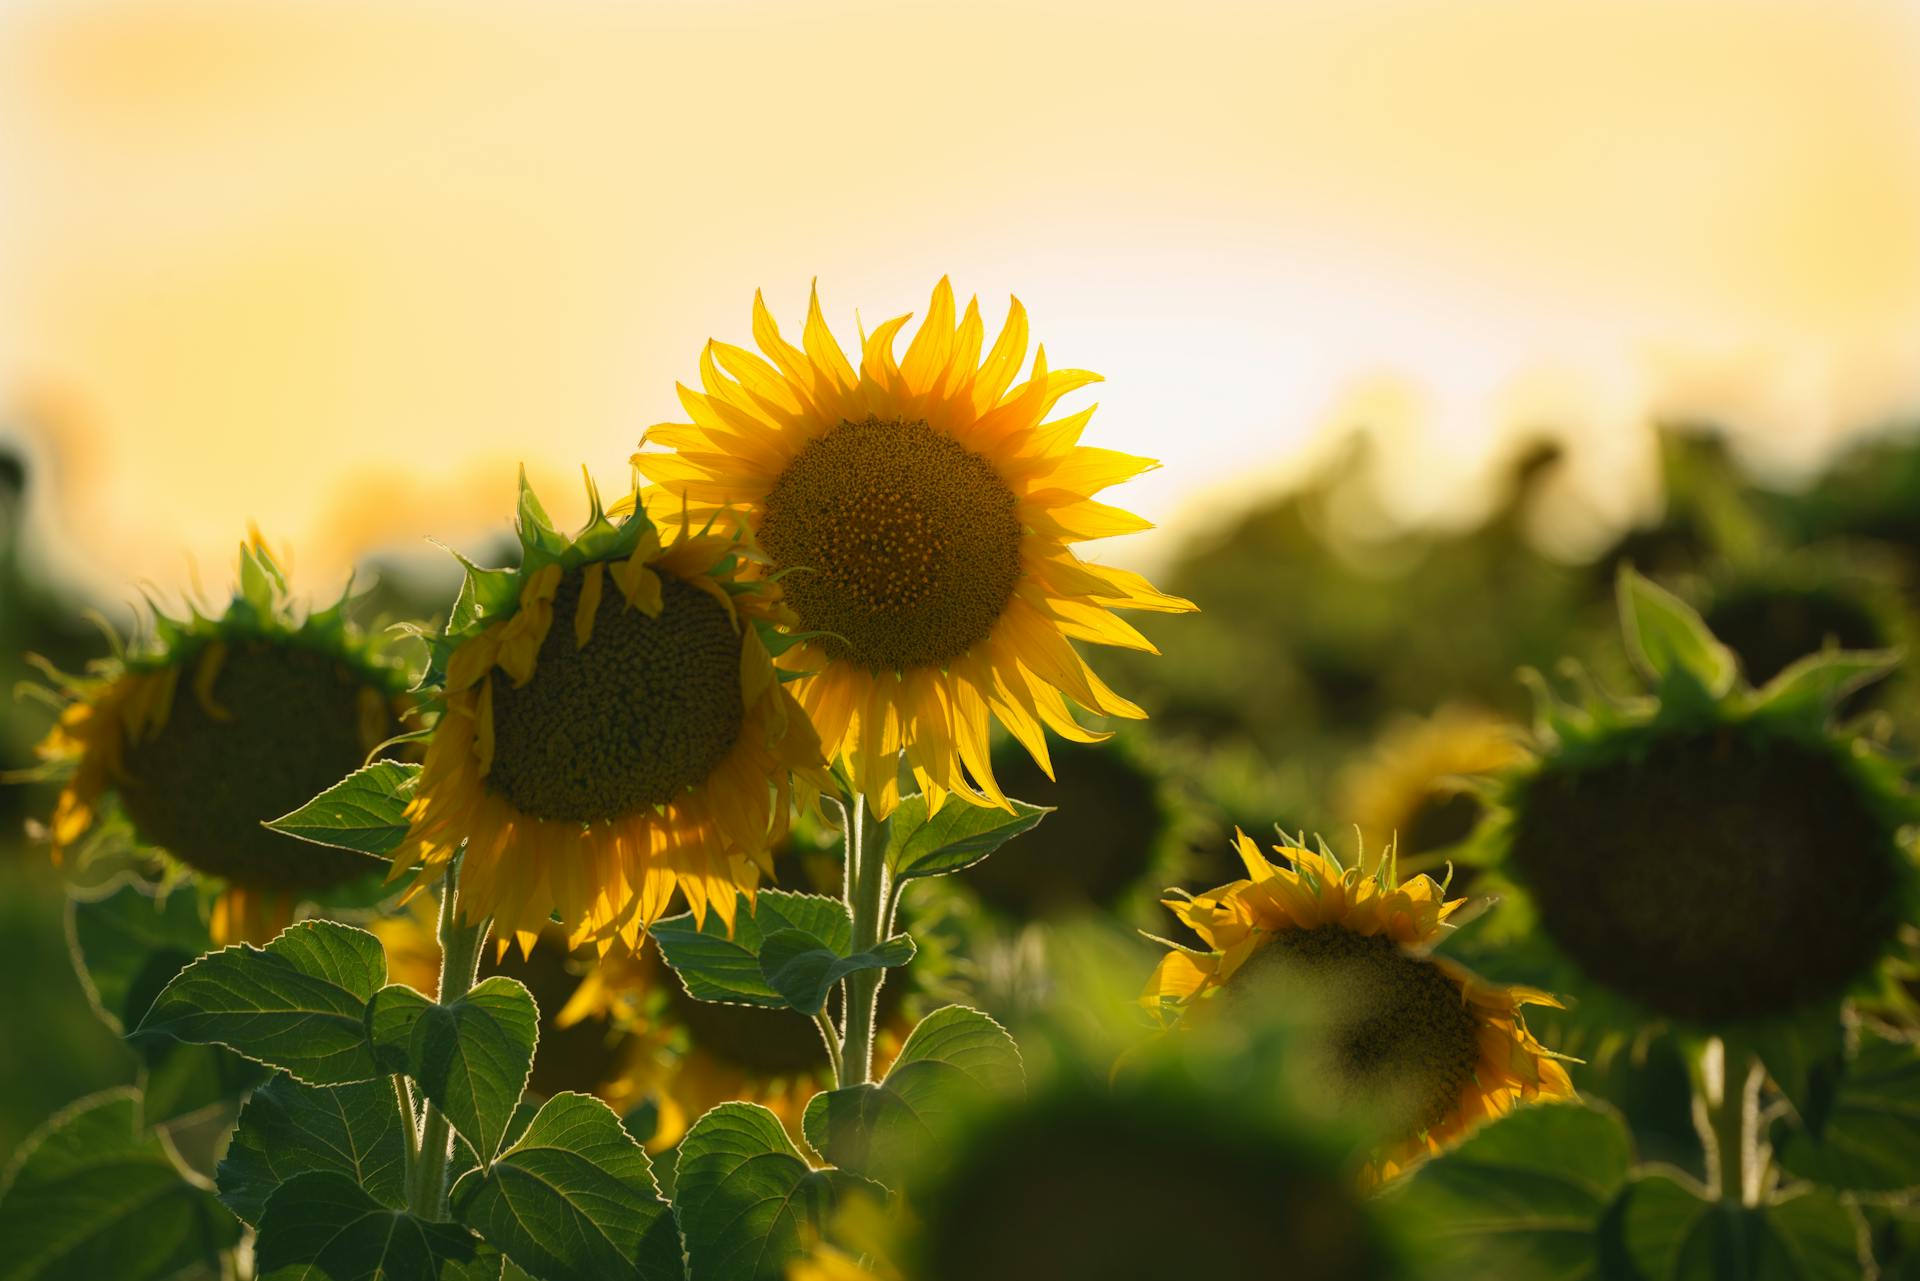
(288, 1129)
(803, 969)
(1527, 1196)
(1670, 1232)
(92, 1194)
(747, 1201)
(956, 838)
(1669, 641)
(1870, 1142)
(472, 1058)
(1810, 688)
(365, 811)
(715, 967)
(323, 1224)
(574, 1199)
(299, 1004)
(956, 1060)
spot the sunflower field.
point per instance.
(764, 881)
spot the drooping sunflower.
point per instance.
(921, 514)
(614, 730)
(1415, 785)
(1415, 1037)
(1715, 857)
(209, 726)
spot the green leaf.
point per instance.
(955, 1059)
(472, 1058)
(748, 1202)
(127, 947)
(1871, 1139)
(954, 839)
(93, 1195)
(1665, 637)
(714, 967)
(1804, 1056)
(1672, 1234)
(323, 1227)
(803, 970)
(574, 1200)
(289, 1129)
(1522, 1197)
(1815, 684)
(298, 1004)
(365, 811)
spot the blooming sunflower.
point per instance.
(1440, 1047)
(921, 514)
(1715, 857)
(1416, 783)
(210, 726)
(642, 744)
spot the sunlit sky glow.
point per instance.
(338, 268)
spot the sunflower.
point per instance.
(1416, 783)
(1416, 1034)
(1714, 857)
(614, 730)
(921, 514)
(211, 726)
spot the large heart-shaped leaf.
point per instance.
(574, 1200)
(954, 839)
(1871, 1139)
(299, 1004)
(803, 970)
(471, 1057)
(952, 1061)
(288, 1129)
(748, 1202)
(365, 811)
(323, 1227)
(94, 1195)
(714, 966)
(1672, 1234)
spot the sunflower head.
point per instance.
(613, 730)
(206, 726)
(920, 512)
(1417, 784)
(1713, 854)
(1413, 1038)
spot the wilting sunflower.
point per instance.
(1416, 784)
(921, 514)
(614, 730)
(210, 726)
(1415, 1037)
(1716, 856)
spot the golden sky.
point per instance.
(338, 268)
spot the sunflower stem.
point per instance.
(460, 945)
(1728, 1081)
(866, 903)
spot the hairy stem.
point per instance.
(1727, 1081)
(867, 903)
(460, 945)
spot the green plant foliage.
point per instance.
(288, 1129)
(94, 1195)
(365, 811)
(954, 1061)
(747, 1201)
(298, 1004)
(1524, 1197)
(1669, 642)
(803, 969)
(1671, 1233)
(1870, 1141)
(954, 839)
(574, 1200)
(471, 1058)
(127, 947)
(323, 1225)
(715, 967)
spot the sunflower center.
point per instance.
(644, 712)
(1396, 1027)
(1714, 875)
(904, 545)
(201, 787)
(761, 1042)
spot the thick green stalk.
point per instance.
(866, 901)
(460, 945)
(1727, 1079)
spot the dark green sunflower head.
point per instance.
(1710, 854)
